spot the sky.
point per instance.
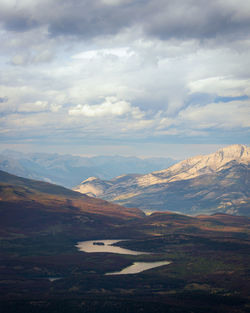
(128, 77)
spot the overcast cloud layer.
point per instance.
(124, 72)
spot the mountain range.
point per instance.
(69, 170)
(218, 182)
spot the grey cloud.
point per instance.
(162, 19)
(20, 23)
(159, 18)
(3, 99)
(17, 19)
(88, 19)
(193, 19)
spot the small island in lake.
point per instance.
(98, 243)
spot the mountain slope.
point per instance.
(218, 182)
(28, 206)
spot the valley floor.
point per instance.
(209, 270)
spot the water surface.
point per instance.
(89, 246)
(106, 246)
(139, 267)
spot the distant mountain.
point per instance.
(219, 182)
(69, 170)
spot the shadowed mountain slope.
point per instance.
(28, 206)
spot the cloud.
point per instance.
(54, 107)
(38, 106)
(221, 86)
(123, 52)
(37, 57)
(174, 70)
(110, 107)
(3, 99)
(192, 19)
(229, 115)
(115, 2)
(162, 19)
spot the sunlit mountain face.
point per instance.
(217, 182)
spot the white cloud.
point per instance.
(110, 107)
(220, 115)
(138, 125)
(123, 52)
(38, 106)
(115, 2)
(221, 86)
(55, 107)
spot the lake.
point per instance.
(90, 247)
(94, 246)
(139, 267)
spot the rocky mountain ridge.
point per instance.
(198, 165)
(211, 183)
